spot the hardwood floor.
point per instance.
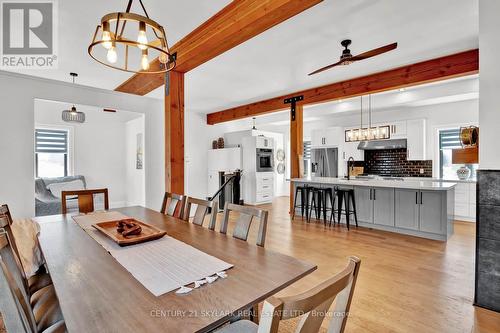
(405, 284)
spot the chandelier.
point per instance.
(370, 132)
(112, 46)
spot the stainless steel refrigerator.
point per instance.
(324, 162)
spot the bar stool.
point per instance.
(319, 203)
(304, 200)
(346, 196)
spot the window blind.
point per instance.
(450, 139)
(51, 141)
(307, 150)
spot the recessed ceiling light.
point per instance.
(402, 89)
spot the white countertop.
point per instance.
(428, 184)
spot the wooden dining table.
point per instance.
(97, 294)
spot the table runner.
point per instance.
(161, 265)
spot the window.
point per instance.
(307, 158)
(51, 153)
(449, 139)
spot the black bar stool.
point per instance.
(319, 202)
(304, 200)
(346, 196)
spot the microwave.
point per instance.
(264, 160)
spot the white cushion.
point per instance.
(57, 188)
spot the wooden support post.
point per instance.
(296, 148)
(174, 132)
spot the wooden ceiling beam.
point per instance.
(455, 65)
(236, 23)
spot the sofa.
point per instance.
(49, 203)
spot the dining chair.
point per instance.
(244, 221)
(202, 209)
(40, 312)
(313, 306)
(173, 205)
(85, 199)
(41, 278)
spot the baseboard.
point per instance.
(465, 219)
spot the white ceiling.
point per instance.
(278, 60)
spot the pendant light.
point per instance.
(370, 132)
(122, 52)
(72, 115)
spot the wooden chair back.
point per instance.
(202, 208)
(85, 199)
(16, 294)
(244, 221)
(173, 205)
(314, 304)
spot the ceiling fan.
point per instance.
(347, 58)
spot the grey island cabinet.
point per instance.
(413, 207)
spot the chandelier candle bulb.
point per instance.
(145, 60)
(142, 38)
(106, 36)
(112, 56)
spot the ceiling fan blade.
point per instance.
(325, 68)
(375, 52)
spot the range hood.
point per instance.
(382, 144)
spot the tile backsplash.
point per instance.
(393, 162)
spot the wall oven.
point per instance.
(264, 160)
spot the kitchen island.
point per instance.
(423, 208)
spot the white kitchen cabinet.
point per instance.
(406, 209)
(327, 137)
(398, 129)
(422, 210)
(262, 142)
(364, 204)
(465, 202)
(431, 212)
(383, 206)
(375, 205)
(415, 140)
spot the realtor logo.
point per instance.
(29, 34)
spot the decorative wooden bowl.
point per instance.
(148, 232)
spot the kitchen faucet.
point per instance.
(351, 159)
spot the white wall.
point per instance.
(17, 95)
(489, 82)
(134, 178)
(198, 138)
(98, 149)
